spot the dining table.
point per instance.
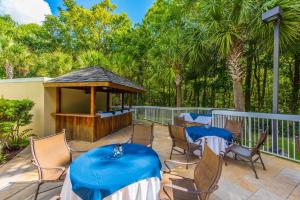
(218, 139)
(196, 117)
(98, 174)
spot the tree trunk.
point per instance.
(204, 96)
(257, 78)
(9, 70)
(296, 86)
(263, 92)
(178, 82)
(236, 71)
(248, 84)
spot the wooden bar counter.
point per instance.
(90, 127)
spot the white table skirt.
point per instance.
(217, 144)
(147, 189)
(199, 119)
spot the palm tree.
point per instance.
(231, 23)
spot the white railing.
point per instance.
(281, 128)
(164, 115)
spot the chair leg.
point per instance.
(171, 153)
(225, 157)
(37, 190)
(165, 191)
(187, 159)
(253, 168)
(262, 162)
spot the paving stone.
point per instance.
(231, 191)
(281, 180)
(295, 194)
(263, 194)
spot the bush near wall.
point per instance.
(14, 114)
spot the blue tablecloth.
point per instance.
(95, 175)
(196, 132)
(195, 115)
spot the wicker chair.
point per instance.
(142, 133)
(206, 177)
(248, 154)
(297, 141)
(235, 127)
(179, 140)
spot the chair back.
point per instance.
(207, 172)
(179, 121)
(142, 134)
(177, 134)
(260, 142)
(51, 151)
(235, 127)
(297, 141)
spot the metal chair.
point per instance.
(179, 121)
(179, 140)
(248, 154)
(52, 156)
(142, 133)
(206, 177)
(235, 127)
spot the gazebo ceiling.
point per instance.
(94, 76)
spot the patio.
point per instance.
(280, 181)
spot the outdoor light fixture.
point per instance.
(272, 14)
(275, 16)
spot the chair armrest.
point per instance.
(178, 163)
(190, 191)
(128, 141)
(76, 151)
(179, 176)
(49, 168)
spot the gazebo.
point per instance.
(84, 102)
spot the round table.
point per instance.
(217, 139)
(198, 118)
(96, 175)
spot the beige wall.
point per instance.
(43, 123)
(78, 101)
(32, 89)
(50, 107)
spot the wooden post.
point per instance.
(107, 102)
(58, 100)
(122, 103)
(130, 100)
(93, 95)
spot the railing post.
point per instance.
(250, 132)
(145, 114)
(172, 116)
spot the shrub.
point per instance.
(14, 114)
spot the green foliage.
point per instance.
(15, 114)
(181, 46)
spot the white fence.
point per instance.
(281, 128)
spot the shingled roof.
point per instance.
(94, 74)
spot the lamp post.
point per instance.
(275, 16)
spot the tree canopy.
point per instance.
(210, 53)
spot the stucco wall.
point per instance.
(50, 107)
(32, 89)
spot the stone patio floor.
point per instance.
(280, 181)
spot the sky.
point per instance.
(34, 11)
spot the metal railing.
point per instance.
(281, 144)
